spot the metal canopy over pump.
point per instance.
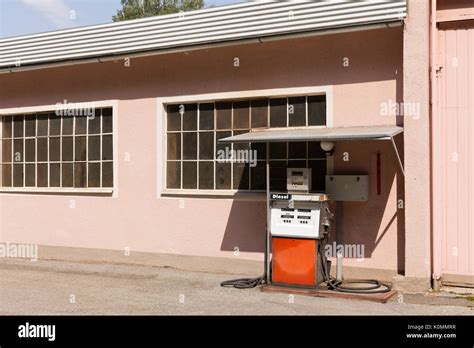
(316, 134)
(321, 134)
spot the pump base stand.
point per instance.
(380, 297)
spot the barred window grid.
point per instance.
(43, 150)
(184, 173)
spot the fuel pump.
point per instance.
(300, 224)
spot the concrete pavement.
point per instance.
(56, 287)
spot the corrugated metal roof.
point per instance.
(316, 134)
(212, 25)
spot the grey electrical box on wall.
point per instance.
(348, 188)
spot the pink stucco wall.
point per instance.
(213, 226)
(416, 89)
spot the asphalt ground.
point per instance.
(56, 287)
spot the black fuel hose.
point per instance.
(243, 283)
(376, 287)
(373, 287)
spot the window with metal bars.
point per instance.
(44, 150)
(193, 131)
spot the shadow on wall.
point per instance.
(377, 222)
(246, 227)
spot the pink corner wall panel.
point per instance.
(456, 144)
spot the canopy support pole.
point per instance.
(268, 230)
(398, 155)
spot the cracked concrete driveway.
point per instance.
(55, 287)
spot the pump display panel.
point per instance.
(297, 220)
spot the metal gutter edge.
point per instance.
(341, 30)
(50, 65)
(205, 46)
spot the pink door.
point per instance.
(453, 151)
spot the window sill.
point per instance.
(50, 190)
(211, 194)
